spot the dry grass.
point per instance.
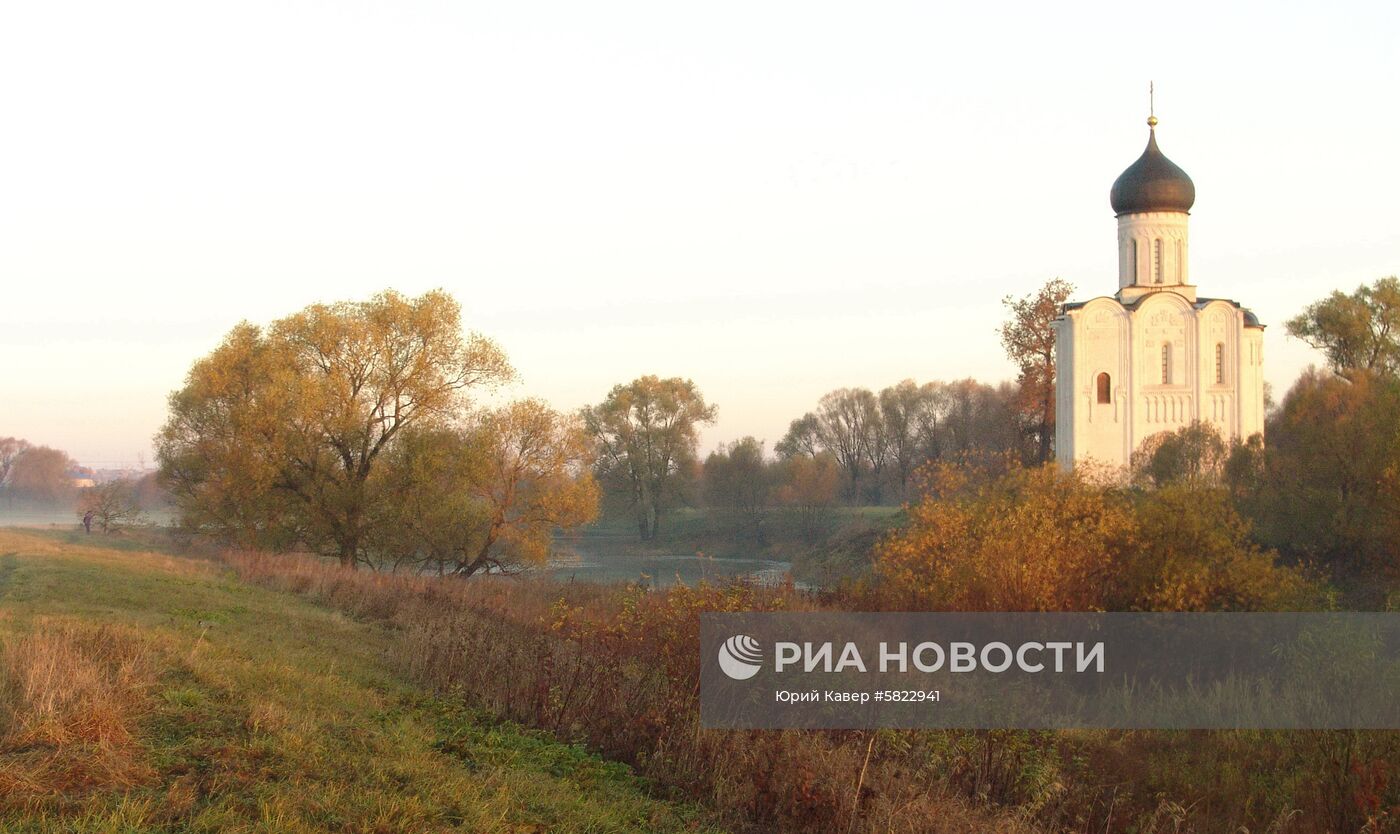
(70, 697)
(145, 692)
(614, 667)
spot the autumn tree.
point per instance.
(10, 450)
(490, 495)
(1029, 339)
(1046, 540)
(1326, 485)
(278, 434)
(808, 489)
(646, 433)
(114, 504)
(738, 481)
(909, 414)
(1033, 540)
(846, 418)
(881, 440)
(978, 422)
(1196, 553)
(1357, 332)
(41, 475)
(1195, 454)
(803, 438)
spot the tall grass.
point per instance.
(70, 699)
(615, 667)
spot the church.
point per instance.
(1154, 356)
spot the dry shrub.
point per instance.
(69, 699)
(614, 667)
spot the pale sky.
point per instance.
(773, 199)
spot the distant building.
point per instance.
(1154, 356)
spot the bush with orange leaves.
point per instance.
(1046, 540)
(1031, 540)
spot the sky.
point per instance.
(772, 199)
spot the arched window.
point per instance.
(1133, 270)
(1157, 261)
(1220, 363)
(1105, 389)
(1167, 363)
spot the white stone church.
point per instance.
(1154, 356)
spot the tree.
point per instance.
(1196, 554)
(1029, 339)
(1045, 540)
(1328, 489)
(978, 422)
(910, 417)
(10, 450)
(1356, 332)
(113, 504)
(1032, 540)
(489, 496)
(646, 433)
(1195, 454)
(803, 438)
(848, 427)
(277, 435)
(738, 480)
(809, 485)
(889, 436)
(41, 475)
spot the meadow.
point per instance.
(142, 691)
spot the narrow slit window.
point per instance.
(1220, 363)
(1134, 267)
(1157, 261)
(1105, 389)
(1167, 363)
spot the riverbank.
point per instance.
(144, 691)
(697, 544)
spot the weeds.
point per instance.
(70, 698)
(613, 668)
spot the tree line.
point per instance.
(356, 430)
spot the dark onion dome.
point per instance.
(1153, 183)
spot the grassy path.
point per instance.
(263, 712)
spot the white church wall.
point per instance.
(1251, 406)
(1218, 377)
(1163, 321)
(1103, 330)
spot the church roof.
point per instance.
(1153, 183)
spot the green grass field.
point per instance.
(251, 710)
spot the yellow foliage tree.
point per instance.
(1033, 540)
(277, 437)
(1046, 540)
(489, 496)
